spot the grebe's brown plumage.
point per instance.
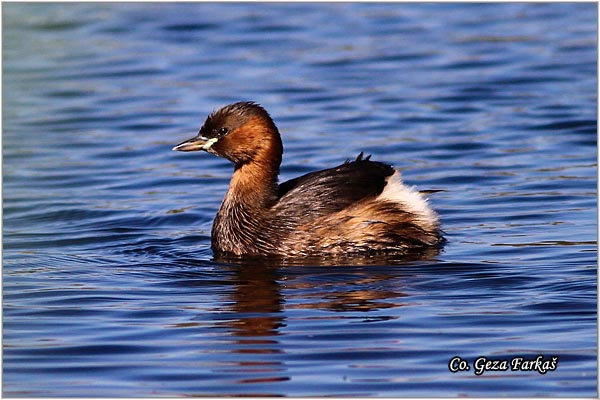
(360, 206)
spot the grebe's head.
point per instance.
(240, 132)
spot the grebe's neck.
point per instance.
(244, 212)
(253, 185)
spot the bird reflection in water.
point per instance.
(265, 287)
(255, 322)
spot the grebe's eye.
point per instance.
(223, 131)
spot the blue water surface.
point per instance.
(109, 284)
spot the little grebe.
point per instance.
(357, 207)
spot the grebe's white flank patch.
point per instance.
(396, 191)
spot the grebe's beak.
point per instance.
(196, 144)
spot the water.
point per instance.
(109, 284)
